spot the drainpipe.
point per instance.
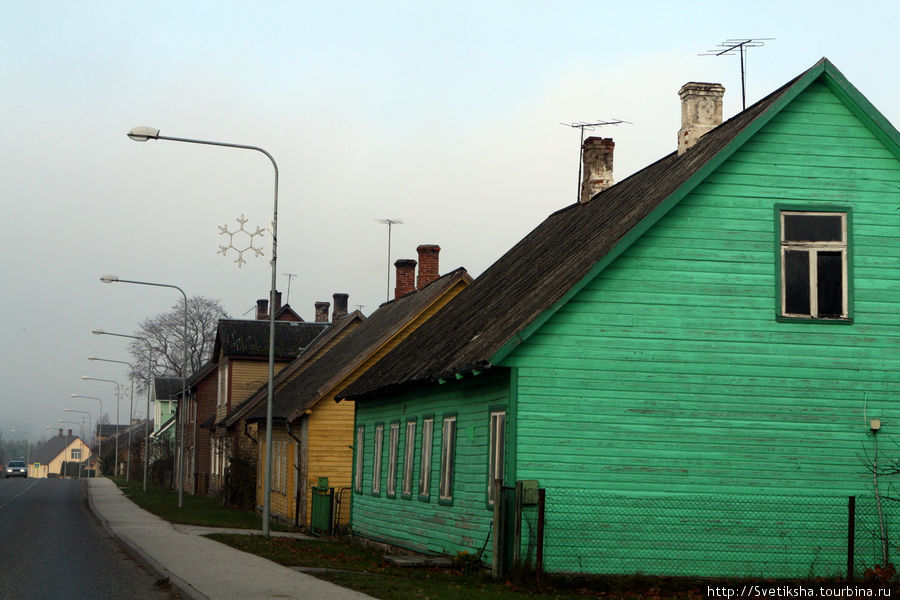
(296, 479)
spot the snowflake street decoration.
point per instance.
(240, 241)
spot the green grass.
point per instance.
(195, 510)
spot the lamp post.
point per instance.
(149, 381)
(118, 396)
(130, 416)
(179, 415)
(99, 437)
(143, 134)
(27, 448)
(67, 443)
(82, 429)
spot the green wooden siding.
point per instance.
(669, 375)
(433, 526)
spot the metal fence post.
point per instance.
(851, 534)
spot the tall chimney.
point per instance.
(597, 157)
(340, 307)
(322, 312)
(406, 277)
(428, 264)
(262, 309)
(60, 431)
(70, 432)
(701, 110)
(277, 301)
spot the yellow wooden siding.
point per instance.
(330, 446)
(282, 502)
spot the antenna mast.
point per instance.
(290, 276)
(728, 47)
(390, 223)
(582, 125)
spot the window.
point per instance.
(392, 460)
(409, 454)
(76, 454)
(376, 459)
(814, 265)
(222, 396)
(425, 464)
(358, 476)
(448, 449)
(496, 448)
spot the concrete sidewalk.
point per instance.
(198, 567)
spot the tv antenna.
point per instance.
(390, 223)
(728, 47)
(582, 125)
(290, 276)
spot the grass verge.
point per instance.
(196, 510)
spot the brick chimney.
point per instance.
(428, 264)
(340, 307)
(322, 312)
(277, 300)
(262, 309)
(60, 432)
(701, 110)
(406, 277)
(70, 433)
(597, 158)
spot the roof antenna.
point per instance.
(390, 223)
(728, 47)
(582, 125)
(290, 276)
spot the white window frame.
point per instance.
(393, 451)
(496, 450)
(425, 458)
(409, 455)
(74, 452)
(813, 248)
(448, 458)
(360, 442)
(376, 459)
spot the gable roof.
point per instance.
(250, 338)
(528, 284)
(350, 352)
(52, 448)
(310, 353)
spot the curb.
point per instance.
(136, 552)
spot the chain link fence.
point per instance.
(592, 532)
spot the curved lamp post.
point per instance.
(143, 134)
(179, 416)
(99, 437)
(67, 442)
(149, 381)
(118, 396)
(130, 416)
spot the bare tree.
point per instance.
(165, 332)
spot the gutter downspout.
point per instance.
(297, 478)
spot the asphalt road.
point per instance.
(52, 546)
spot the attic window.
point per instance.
(814, 265)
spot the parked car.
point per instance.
(16, 468)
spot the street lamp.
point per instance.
(130, 415)
(179, 416)
(82, 428)
(99, 437)
(149, 382)
(118, 395)
(143, 134)
(80, 461)
(27, 446)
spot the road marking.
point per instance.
(33, 483)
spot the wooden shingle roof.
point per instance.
(516, 294)
(350, 352)
(250, 338)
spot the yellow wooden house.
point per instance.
(50, 459)
(312, 435)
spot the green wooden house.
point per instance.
(698, 364)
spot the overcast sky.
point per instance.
(443, 114)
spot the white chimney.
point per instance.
(597, 158)
(701, 110)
